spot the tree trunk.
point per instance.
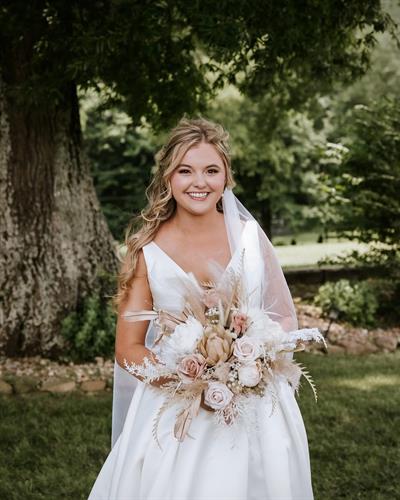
(54, 238)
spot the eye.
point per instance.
(213, 170)
(183, 171)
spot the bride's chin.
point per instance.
(197, 208)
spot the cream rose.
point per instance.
(217, 395)
(250, 374)
(246, 349)
(191, 367)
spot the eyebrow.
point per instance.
(208, 166)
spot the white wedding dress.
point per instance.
(268, 462)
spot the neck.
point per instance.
(195, 226)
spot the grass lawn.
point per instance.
(308, 254)
(53, 446)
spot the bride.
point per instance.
(193, 227)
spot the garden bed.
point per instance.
(30, 374)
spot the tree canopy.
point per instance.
(160, 59)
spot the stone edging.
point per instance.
(345, 338)
(36, 374)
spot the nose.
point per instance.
(200, 180)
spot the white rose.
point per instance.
(246, 349)
(217, 395)
(250, 374)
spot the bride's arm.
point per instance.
(130, 337)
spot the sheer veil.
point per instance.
(275, 298)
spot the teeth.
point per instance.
(198, 195)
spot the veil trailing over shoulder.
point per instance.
(276, 299)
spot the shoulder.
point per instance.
(140, 267)
(165, 234)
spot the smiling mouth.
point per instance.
(198, 196)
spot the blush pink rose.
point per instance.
(217, 395)
(239, 322)
(191, 367)
(246, 349)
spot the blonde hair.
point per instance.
(161, 204)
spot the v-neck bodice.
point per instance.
(168, 281)
(178, 267)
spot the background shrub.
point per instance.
(90, 329)
(356, 303)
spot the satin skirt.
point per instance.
(215, 463)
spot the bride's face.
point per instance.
(198, 182)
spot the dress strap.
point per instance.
(149, 257)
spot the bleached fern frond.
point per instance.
(149, 371)
(308, 377)
(166, 404)
(274, 401)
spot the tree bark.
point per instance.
(53, 236)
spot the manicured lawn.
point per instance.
(52, 447)
(353, 429)
(308, 254)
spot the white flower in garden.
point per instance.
(217, 395)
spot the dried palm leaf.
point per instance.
(142, 315)
(185, 417)
(208, 284)
(288, 369)
(169, 319)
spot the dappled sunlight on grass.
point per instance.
(308, 254)
(370, 382)
(353, 429)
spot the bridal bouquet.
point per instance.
(221, 352)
